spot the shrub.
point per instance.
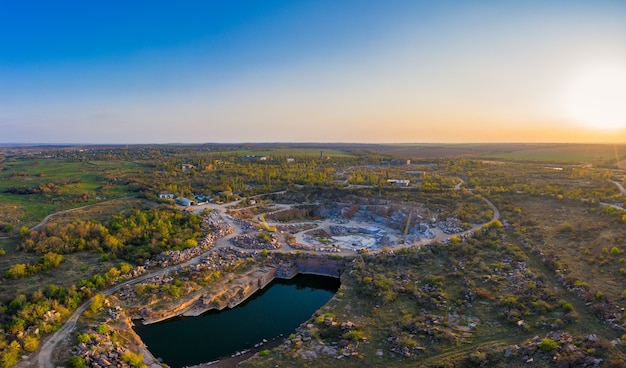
(84, 338)
(97, 303)
(484, 294)
(102, 329)
(77, 362)
(16, 271)
(31, 343)
(567, 307)
(134, 359)
(354, 335)
(581, 284)
(125, 268)
(547, 345)
(477, 358)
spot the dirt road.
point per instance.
(44, 356)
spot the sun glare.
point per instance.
(596, 98)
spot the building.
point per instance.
(399, 182)
(166, 195)
(185, 202)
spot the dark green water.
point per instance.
(278, 309)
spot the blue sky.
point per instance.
(348, 71)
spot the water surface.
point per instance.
(278, 309)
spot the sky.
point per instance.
(368, 71)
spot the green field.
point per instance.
(32, 189)
(574, 153)
(290, 152)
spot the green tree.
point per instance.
(10, 355)
(112, 273)
(97, 303)
(134, 359)
(78, 362)
(102, 329)
(24, 232)
(31, 343)
(16, 271)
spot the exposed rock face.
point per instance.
(242, 288)
(321, 266)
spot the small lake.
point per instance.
(278, 309)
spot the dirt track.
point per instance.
(44, 355)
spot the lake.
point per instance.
(278, 309)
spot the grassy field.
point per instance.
(288, 152)
(77, 266)
(564, 153)
(32, 189)
(420, 302)
(582, 239)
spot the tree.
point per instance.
(112, 273)
(51, 260)
(134, 359)
(125, 268)
(10, 356)
(31, 343)
(16, 271)
(78, 362)
(24, 232)
(97, 303)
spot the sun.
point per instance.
(596, 98)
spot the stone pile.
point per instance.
(101, 351)
(251, 241)
(217, 260)
(295, 228)
(570, 351)
(450, 225)
(172, 257)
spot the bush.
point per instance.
(97, 303)
(77, 362)
(567, 307)
(477, 358)
(264, 353)
(547, 345)
(102, 329)
(354, 335)
(31, 343)
(84, 338)
(16, 271)
(134, 359)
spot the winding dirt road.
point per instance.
(47, 218)
(44, 356)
